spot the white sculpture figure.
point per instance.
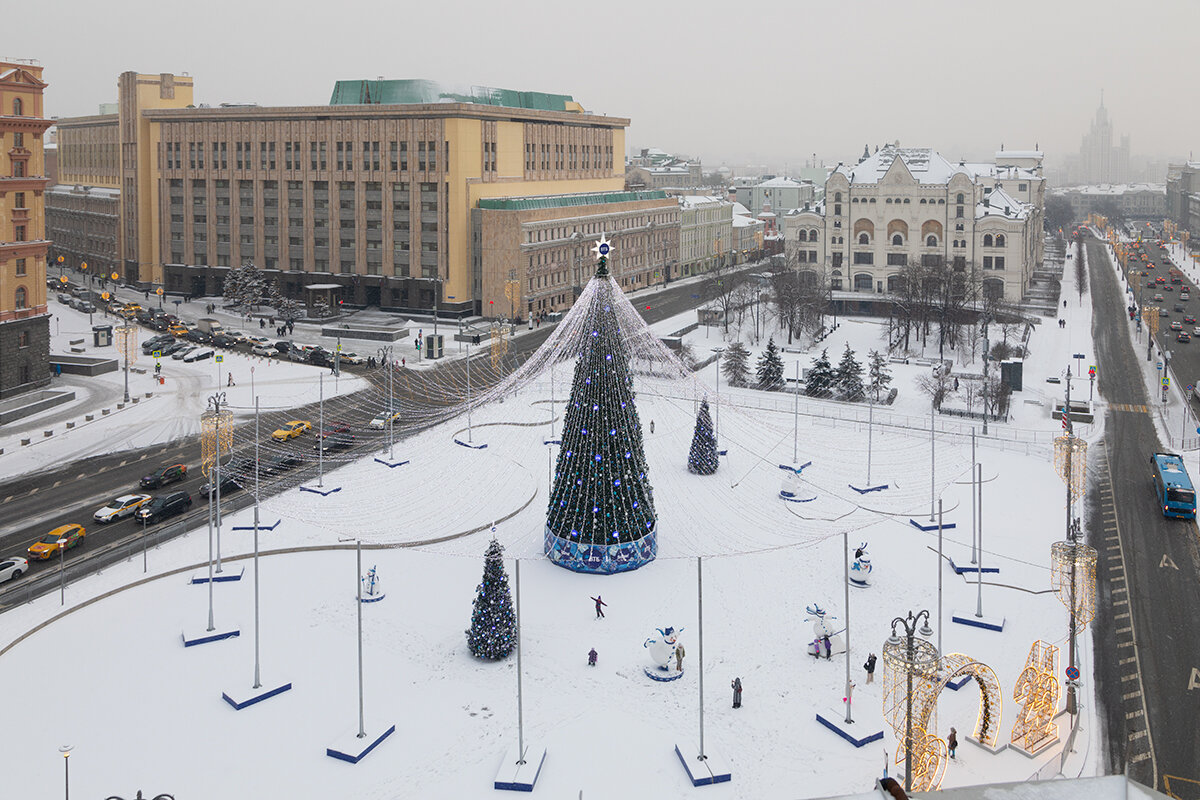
(825, 638)
(372, 590)
(662, 649)
(860, 570)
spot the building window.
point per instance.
(987, 262)
(998, 263)
(864, 258)
(958, 214)
(987, 240)
(897, 259)
(18, 169)
(897, 240)
(20, 267)
(864, 238)
(20, 298)
(1021, 187)
(18, 233)
(19, 200)
(23, 339)
(931, 241)
(1000, 240)
(18, 107)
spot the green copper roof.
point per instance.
(409, 92)
(561, 200)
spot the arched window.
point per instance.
(960, 198)
(864, 238)
(863, 282)
(812, 235)
(1000, 240)
(18, 107)
(931, 241)
(897, 240)
(21, 298)
(837, 197)
(802, 235)
(888, 201)
(987, 240)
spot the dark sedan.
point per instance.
(163, 506)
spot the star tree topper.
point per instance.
(602, 249)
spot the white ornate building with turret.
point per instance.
(904, 205)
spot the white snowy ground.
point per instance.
(173, 410)
(149, 713)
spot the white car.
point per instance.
(180, 354)
(264, 349)
(382, 419)
(237, 336)
(121, 507)
(13, 568)
(352, 358)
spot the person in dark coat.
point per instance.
(870, 668)
(592, 656)
(952, 742)
(599, 604)
(828, 647)
(736, 685)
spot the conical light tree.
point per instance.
(702, 458)
(493, 631)
(600, 516)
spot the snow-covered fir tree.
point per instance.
(246, 287)
(820, 379)
(770, 368)
(849, 376)
(878, 374)
(285, 307)
(702, 458)
(736, 364)
(493, 631)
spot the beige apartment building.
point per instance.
(373, 192)
(540, 248)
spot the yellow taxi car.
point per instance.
(177, 330)
(48, 546)
(290, 430)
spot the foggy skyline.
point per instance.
(727, 83)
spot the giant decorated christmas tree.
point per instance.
(601, 516)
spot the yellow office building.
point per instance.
(373, 192)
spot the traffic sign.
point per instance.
(1079, 355)
(220, 358)
(157, 354)
(1073, 673)
(158, 291)
(1092, 371)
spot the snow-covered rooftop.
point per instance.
(1114, 188)
(740, 221)
(780, 183)
(696, 200)
(1002, 154)
(926, 165)
(740, 210)
(998, 204)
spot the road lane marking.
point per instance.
(1131, 695)
(1125, 661)
(1120, 602)
(1134, 714)
(1122, 615)
(1137, 735)
(1167, 562)
(56, 484)
(1140, 757)
(1132, 677)
(1126, 629)
(33, 490)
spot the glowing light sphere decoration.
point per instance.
(601, 517)
(1070, 461)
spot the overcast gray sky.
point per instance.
(728, 81)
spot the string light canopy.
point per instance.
(600, 517)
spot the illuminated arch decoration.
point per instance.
(929, 756)
(1037, 693)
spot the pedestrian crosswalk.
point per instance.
(1135, 409)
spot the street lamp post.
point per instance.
(83, 265)
(909, 624)
(62, 570)
(385, 358)
(66, 754)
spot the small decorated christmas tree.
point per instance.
(493, 633)
(702, 459)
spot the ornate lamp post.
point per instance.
(216, 439)
(909, 655)
(66, 754)
(1070, 461)
(126, 340)
(83, 265)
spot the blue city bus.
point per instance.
(1172, 486)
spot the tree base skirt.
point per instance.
(600, 559)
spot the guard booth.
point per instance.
(322, 295)
(434, 345)
(102, 335)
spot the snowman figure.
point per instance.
(860, 570)
(825, 638)
(661, 649)
(372, 590)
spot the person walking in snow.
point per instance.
(230, 381)
(737, 692)
(828, 647)
(592, 656)
(870, 668)
(952, 742)
(599, 604)
(262, 323)
(679, 654)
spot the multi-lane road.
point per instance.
(36, 503)
(1147, 643)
